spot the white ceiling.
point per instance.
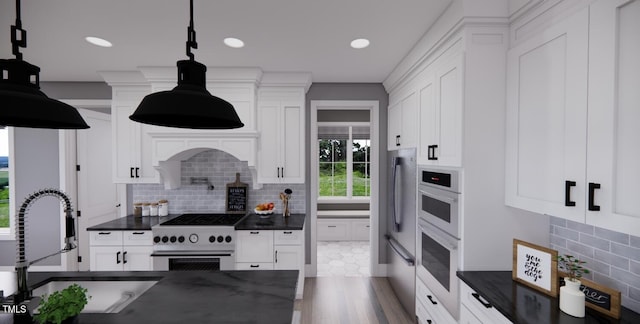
(280, 35)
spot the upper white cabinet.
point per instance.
(613, 146)
(281, 126)
(572, 116)
(546, 119)
(402, 122)
(131, 144)
(441, 96)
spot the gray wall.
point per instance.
(351, 91)
(37, 166)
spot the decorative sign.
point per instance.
(598, 297)
(237, 196)
(535, 266)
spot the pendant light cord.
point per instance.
(191, 34)
(18, 35)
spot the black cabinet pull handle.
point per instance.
(567, 193)
(124, 257)
(397, 140)
(428, 321)
(476, 296)
(431, 300)
(104, 233)
(282, 171)
(137, 175)
(431, 152)
(592, 193)
(138, 233)
(254, 266)
(254, 232)
(131, 172)
(276, 256)
(288, 232)
(331, 225)
(118, 257)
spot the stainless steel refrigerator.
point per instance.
(401, 225)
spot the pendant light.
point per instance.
(22, 103)
(188, 105)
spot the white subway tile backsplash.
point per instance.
(613, 258)
(219, 168)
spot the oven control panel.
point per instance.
(189, 238)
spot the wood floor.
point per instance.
(349, 300)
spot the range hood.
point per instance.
(170, 149)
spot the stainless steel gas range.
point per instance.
(195, 242)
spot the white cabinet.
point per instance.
(402, 122)
(476, 310)
(428, 308)
(441, 94)
(546, 119)
(281, 149)
(572, 119)
(131, 144)
(120, 251)
(268, 250)
(333, 229)
(613, 150)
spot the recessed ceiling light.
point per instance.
(98, 41)
(360, 43)
(233, 42)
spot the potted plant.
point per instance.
(62, 306)
(571, 297)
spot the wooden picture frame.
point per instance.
(237, 196)
(600, 298)
(535, 266)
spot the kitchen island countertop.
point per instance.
(523, 305)
(295, 222)
(196, 296)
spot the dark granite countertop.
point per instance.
(523, 305)
(131, 223)
(273, 222)
(196, 296)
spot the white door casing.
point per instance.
(97, 194)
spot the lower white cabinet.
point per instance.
(428, 309)
(271, 250)
(120, 251)
(332, 229)
(475, 309)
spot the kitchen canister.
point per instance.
(146, 209)
(137, 209)
(163, 207)
(153, 209)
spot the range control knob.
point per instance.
(173, 239)
(212, 239)
(156, 239)
(220, 239)
(228, 239)
(165, 239)
(193, 238)
(181, 239)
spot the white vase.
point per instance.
(572, 298)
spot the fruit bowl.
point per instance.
(263, 212)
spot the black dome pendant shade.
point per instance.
(188, 105)
(22, 104)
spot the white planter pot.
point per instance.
(572, 298)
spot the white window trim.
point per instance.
(10, 234)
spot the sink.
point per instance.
(107, 296)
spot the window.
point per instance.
(344, 161)
(5, 207)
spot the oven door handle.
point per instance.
(438, 197)
(399, 250)
(441, 238)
